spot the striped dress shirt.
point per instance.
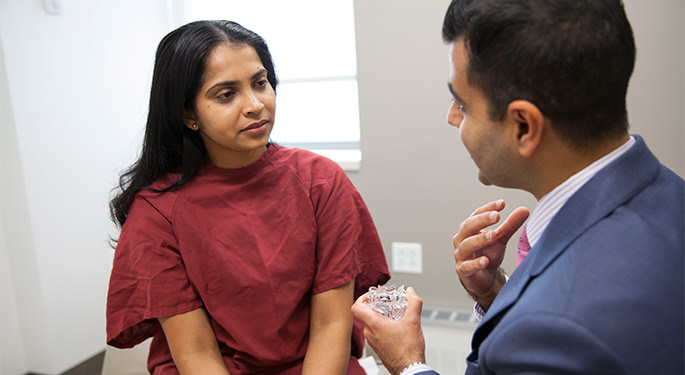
(551, 203)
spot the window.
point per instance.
(313, 46)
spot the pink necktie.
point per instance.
(523, 246)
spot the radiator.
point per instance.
(448, 333)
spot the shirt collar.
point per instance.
(551, 203)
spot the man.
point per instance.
(539, 92)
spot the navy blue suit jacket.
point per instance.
(602, 292)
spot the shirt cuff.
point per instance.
(478, 311)
(416, 369)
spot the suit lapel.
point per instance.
(611, 187)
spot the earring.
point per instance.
(194, 126)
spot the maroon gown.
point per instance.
(251, 245)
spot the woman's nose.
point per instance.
(253, 105)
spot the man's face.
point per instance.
(483, 138)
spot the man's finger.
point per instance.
(362, 311)
(474, 226)
(470, 267)
(497, 205)
(415, 303)
(512, 223)
(466, 248)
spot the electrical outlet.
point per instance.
(407, 257)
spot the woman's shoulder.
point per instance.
(306, 161)
(157, 197)
(165, 181)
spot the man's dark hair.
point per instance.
(571, 58)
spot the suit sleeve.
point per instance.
(546, 344)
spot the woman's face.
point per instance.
(234, 107)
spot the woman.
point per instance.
(236, 254)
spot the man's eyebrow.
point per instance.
(234, 83)
(454, 93)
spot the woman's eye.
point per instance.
(226, 95)
(262, 83)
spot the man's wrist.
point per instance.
(415, 368)
(485, 299)
(478, 310)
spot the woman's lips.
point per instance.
(256, 127)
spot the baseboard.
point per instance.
(91, 366)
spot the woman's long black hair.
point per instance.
(168, 144)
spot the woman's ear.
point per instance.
(530, 123)
(189, 120)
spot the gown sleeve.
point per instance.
(148, 277)
(348, 246)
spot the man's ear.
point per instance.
(189, 120)
(529, 123)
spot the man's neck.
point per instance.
(558, 162)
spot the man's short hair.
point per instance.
(571, 58)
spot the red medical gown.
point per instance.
(250, 245)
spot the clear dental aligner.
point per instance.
(388, 300)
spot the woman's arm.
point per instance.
(193, 344)
(330, 330)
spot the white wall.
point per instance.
(12, 355)
(19, 279)
(77, 84)
(656, 95)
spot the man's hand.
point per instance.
(479, 252)
(398, 343)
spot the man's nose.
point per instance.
(455, 115)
